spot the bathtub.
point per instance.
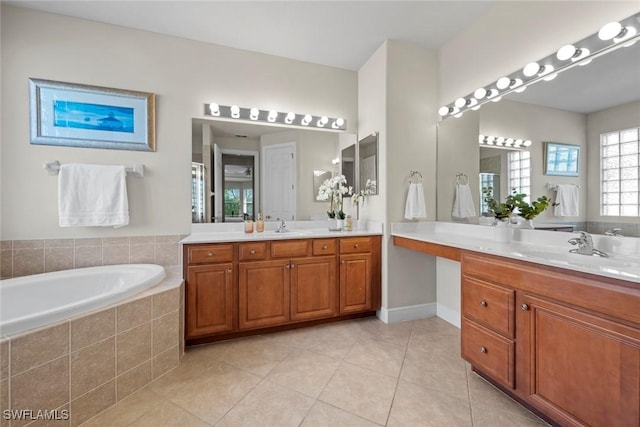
(41, 299)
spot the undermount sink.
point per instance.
(290, 233)
(567, 258)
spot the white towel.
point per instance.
(415, 207)
(92, 195)
(463, 204)
(567, 197)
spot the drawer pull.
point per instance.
(287, 266)
(524, 307)
(252, 251)
(355, 246)
(483, 349)
(229, 271)
(292, 265)
(210, 254)
(483, 303)
(324, 246)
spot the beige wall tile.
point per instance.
(6, 264)
(133, 347)
(59, 243)
(93, 328)
(28, 261)
(165, 302)
(28, 244)
(92, 366)
(166, 333)
(6, 245)
(166, 361)
(144, 253)
(167, 254)
(173, 238)
(133, 314)
(56, 259)
(4, 360)
(133, 380)
(142, 239)
(39, 347)
(4, 398)
(44, 387)
(116, 254)
(88, 242)
(117, 241)
(88, 256)
(92, 403)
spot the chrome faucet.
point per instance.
(614, 232)
(585, 245)
(282, 227)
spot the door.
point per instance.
(263, 293)
(209, 304)
(279, 181)
(581, 369)
(355, 283)
(313, 287)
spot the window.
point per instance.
(520, 172)
(619, 173)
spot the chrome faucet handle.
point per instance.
(613, 232)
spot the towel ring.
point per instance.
(415, 175)
(462, 178)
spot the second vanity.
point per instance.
(559, 332)
(241, 284)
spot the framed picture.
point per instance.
(77, 115)
(561, 159)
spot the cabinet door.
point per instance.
(209, 294)
(355, 283)
(313, 287)
(263, 293)
(578, 368)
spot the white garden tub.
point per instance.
(42, 299)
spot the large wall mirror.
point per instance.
(368, 162)
(574, 108)
(242, 169)
(348, 164)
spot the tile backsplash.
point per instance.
(26, 257)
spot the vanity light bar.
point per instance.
(611, 36)
(273, 116)
(502, 142)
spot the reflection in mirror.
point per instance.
(247, 163)
(491, 174)
(348, 162)
(318, 178)
(368, 162)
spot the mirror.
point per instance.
(348, 165)
(267, 169)
(318, 178)
(572, 109)
(368, 162)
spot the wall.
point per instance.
(184, 75)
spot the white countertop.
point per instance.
(538, 246)
(234, 232)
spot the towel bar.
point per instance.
(413, 174)
(53, 168)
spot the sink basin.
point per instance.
(567, 258)
(289, 233)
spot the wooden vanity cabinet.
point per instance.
(359, 274)
(576, 339)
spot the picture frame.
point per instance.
(77, 115)
(561, 159)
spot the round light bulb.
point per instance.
(290, 117)
(480, 139)
(489, 140)
(214, 108)
(492, 93)
(480, 93)
(307, 119)
(566, 52)
(580, 55)
(496, 99)
(503, 83)
(531, 69)
(508, 142)
(460, 102)
(457, 116)
(471, 102)
(338, 123)
(517, 143)
(253, 114)
(628, 32)
(235, 111)
(273, 115)
(610, 30)
(527, 143)
(548, 73)
(443, 111)
(477, 107)
(500, 140)
(323, 121)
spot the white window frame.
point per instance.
(620, 173)
(519, 172)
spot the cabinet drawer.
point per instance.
(489, 352)
(290, 248)
(248, 251)
(490, 305)
(210, 253)
(324, 246)
(355, 245)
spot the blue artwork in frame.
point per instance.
(77, 115)
(561, 159)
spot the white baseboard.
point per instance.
(449, 315)
(410, 312)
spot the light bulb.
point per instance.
(322, 121)
(527, 143)
(443, 111)
(580, 55)
(338, 123)
(235, 111)
(289, 118)
(531, 69)
(500, 140)
(253, 114)
(273, 115)
(627, 33)
(471, 102)
(460, 102)
(457, 116)
(480, 93)
(610, 30)
(480, 139)
(503, 83)
(477, 107)
(496, 99)
(489, 140)
(508, 142)
(214, 108)
(306, 119)
(517, 143)
(492, 93)
(566, 52)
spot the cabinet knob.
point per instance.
(229, 271)
(287, 266)
(524, 307)
(483, 349)
(324, 246)
(252, 251)
(342, 262)
(355, 246)
(483, 303)
(292, 265)
(210, 254)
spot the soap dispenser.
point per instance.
(259, 224)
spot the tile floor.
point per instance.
(353, 373)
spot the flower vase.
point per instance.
(339, 224)
(502, 231)
(334, 224)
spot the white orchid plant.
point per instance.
(369, 189)
(335, 189)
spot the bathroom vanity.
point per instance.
(564, 341)
(238, 285)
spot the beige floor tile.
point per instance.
(333, 340)
(374, 328)
(211, 397)
(360, 391)
(256, 355)
(486, 416)
(414, 405)
(436, 369)
(324, 415)
(127, 410)
(380, 356)
(186, 374)
(268, 404)
(305, 372)
(169, 415)
(444, 340)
